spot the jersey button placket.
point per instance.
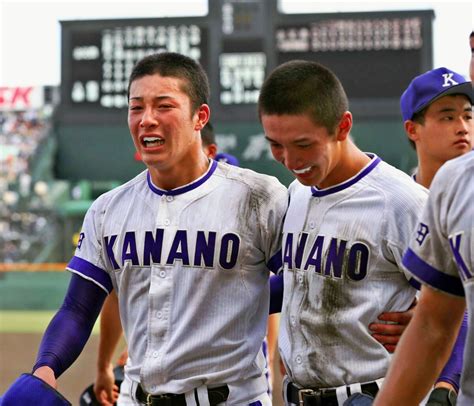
(161, 286)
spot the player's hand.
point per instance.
(122, 360)
(282, 367)
(105, 389)
(46, 374)
(395, 323)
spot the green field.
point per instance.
(33, 290)
(28, 300)
(27, 321)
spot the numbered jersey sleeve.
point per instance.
(89, 261)
(441, 250)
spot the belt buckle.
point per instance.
(150, 397)
(302, 392)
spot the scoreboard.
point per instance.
(98, 57)
(238, 42)
(375, 54)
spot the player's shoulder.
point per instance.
(456, 172)
(399, 192)
(396, 183)
(258, 182)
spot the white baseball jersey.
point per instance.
(441, 252)
(342, 253)
(190, 267)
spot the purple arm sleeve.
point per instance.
(70, 328)
(276, 293)
(451, 372)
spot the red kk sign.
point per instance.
(21, 98)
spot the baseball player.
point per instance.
(437, 112)
(105, 389)
(186, 245)
(441, 256)
(349, 219)
(439, 92)
(441, 265)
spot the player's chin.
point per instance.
(304, 182)
(156, 154)
(306, 179)
(152, 161)
(458, 150)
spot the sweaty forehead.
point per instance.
(290, 128)
(452, 103)
(156, 85)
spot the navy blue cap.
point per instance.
(430, 86)
(227, 158)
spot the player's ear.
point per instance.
(411, 128)
(344, 127)
(203, 114)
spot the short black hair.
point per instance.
(304, 87)
(179, 66)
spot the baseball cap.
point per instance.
(430, 86)
(227, 158)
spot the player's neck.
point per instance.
(351, 162)
(426, 172)
(180, 174)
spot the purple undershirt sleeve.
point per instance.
(276, 293)
(70, 328)
(451, 372)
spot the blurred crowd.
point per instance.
(25, 218)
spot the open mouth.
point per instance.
(150, 142)
(301, 171)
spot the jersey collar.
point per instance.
(348, 183)
(186, 188)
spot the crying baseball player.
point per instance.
(187, 245)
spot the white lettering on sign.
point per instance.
(241, 76)
(87, 53)
(338, 35)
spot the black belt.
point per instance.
(216, 396)
(322, 397)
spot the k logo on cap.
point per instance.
(430, 86)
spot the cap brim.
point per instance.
(464, 89)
